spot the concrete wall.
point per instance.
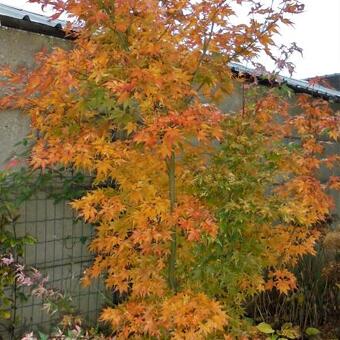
(61, 249)
(234, 102)
(18, 48)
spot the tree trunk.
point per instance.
(171, 163)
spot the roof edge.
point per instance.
(34, 27)
(298, 86)
(23, 20)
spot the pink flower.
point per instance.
(36, 276)
(19, 267)
(7, 260)
(23, 280)
(39, 291)
(29, 336)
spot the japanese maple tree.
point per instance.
(195, 210)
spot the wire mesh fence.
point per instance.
(59, 253)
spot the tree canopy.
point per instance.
(195, 209)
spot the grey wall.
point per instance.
(61, 249)
(18, 48)
(234, 102)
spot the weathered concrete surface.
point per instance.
(234, 103)
(14, 127)
(18, 48)
(61, 248)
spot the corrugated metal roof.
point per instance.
(22, 14)
(297, 85)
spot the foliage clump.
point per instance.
(194, 210)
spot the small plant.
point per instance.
(71, 334)
(312, 333)
(287, 331)
(71, 327)
(17, 185)
(13, 276)
(315, 301)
